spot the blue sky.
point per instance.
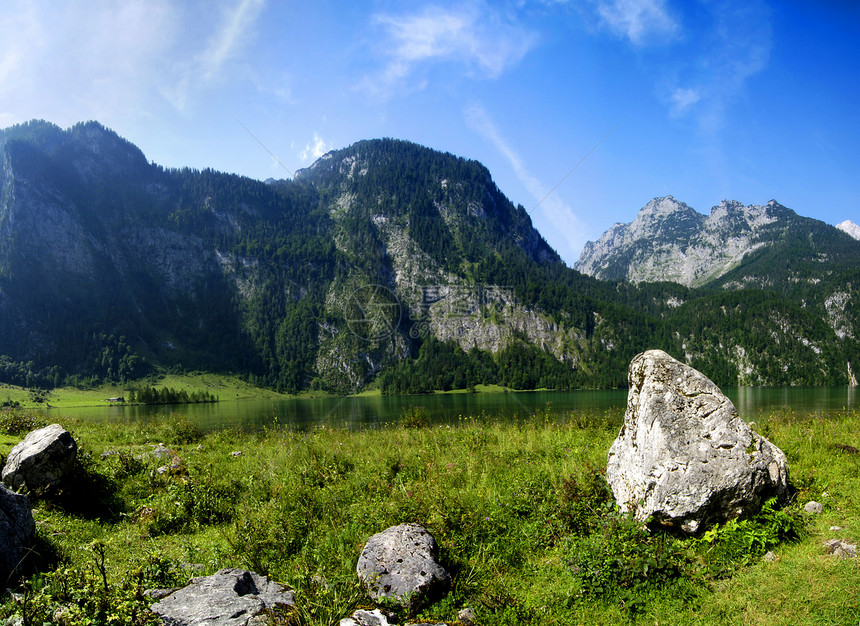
(582, 110)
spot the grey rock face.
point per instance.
(17, 531)
(668, 240)
(684, 457)
(399, 564)
(230, 597)
(42, 459)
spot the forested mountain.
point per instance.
(383, 261)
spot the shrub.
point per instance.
(18, 423)
(621, 560)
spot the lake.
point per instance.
(361, 412)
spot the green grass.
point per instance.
(225, 387)
(520, 512)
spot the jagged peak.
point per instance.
(661, 207)
(849, 228)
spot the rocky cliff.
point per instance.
(382, 256)
(669, 241)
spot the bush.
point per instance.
(623, 561)
(18, 423)
(742, 541)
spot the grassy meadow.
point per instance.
(521, 512)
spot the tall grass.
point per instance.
(521, 512)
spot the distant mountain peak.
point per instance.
(670, 241)
(849, 227)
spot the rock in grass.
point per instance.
(41, 460)
(684, 458)
(230, 597)
(375, 618)
(366, 618)
(813, 507)
(399, 565)
(841, 548)
(17, 533)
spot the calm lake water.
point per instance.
(751, 402)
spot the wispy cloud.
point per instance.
(206, 67)
(81, 60)
(567, 232)
(314, 149)
(226, 40)
(639, 21)
(107, 59)
(474, 37)
(734, 48)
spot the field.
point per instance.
(520, 511)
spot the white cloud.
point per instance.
(315, 149)
(473, 36)
(223, 45)
(640, 21)
(199, 71)
(568, 234)
(68, 63)
(683, 99)
(734, 47)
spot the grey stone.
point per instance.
(467, 616)
(841, 548)
(42, 459)
(813, 507)
(17, 532)
(366, 618)
(230, 597)
(399, 564)
(162, 452)
(684, 458)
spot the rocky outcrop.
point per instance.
(849, 228)
(17, 532)
(684, 458)
(41, 460)
(669, 241)
(230, 597)
(399, 565)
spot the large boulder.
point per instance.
(684, 457)
(230, 597)
(17, 532)
(399, 565)
(41, 460)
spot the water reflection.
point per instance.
(376, 411)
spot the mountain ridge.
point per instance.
(384, 262)
(668, 240)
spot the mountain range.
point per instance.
(392, 264)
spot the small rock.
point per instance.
(399, 564)
(813, 507)
(230, 597)
(42, 459)
(366, 618)
(17, 532)
(467, 616)
(236, 453)
(770, 557)
(841, 548)
(835, 528)
(162, 452)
